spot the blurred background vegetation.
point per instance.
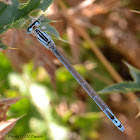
(102, 34)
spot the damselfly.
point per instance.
(46, 40)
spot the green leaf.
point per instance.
(135, 73)
(127, 85)
(10, 14)
(4, 28)
(122, 87)
(3, 46)
(49, 29)
(42, 18)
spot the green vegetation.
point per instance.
(52, 105)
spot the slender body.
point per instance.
(46, 40)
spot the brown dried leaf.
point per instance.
(9, 101)
(74, 2)
(4, 106)
(6, 126)
(3, 110)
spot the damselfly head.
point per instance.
(33, 26)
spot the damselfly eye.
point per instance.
(37, 22)
(29, 30)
